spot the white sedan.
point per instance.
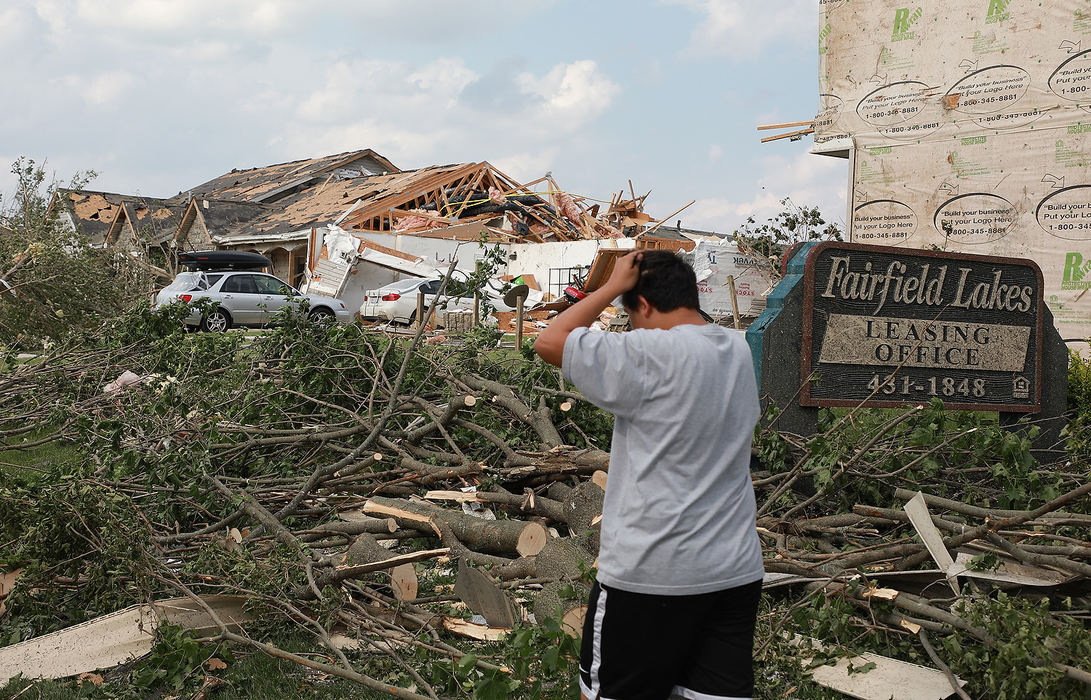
(397, 301)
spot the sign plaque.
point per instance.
(887, 326)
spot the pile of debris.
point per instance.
(439, 197)
(345, 472)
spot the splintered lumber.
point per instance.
(482, 633)
(365, 549)
(536, 505)
(786, 125)
(115, 638)
(404, 518)
(489, 536)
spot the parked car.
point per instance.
(244, 299)
(397, 301)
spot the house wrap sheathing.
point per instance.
(968, 127)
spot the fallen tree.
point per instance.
(343, 479)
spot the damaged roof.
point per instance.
(94, 212)
(274, 182)
(328, 201)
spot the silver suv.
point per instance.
(244, 299)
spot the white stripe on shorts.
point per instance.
(596, 648)
(680, 692)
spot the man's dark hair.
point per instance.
(666, 282)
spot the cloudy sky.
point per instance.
(160, 95)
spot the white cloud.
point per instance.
(715, 152)
(571, 94)
(105, 88)
(807, 179)
(415, 113)
(526, 166)
(13, 23)
(742, 28)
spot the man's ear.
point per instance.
(643, 307)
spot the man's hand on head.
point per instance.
(626, 272)
(550, 342)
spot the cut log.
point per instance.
(115, 638)
(403, 581)
(558, 491)
(599, 477)
(572, 621)
(404, 518)
(563, 559)
(490, 536)
(7, 582)
(581, 506)
(566, 601)
(354, 526)
(365, 549)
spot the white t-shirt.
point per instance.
(679, 514)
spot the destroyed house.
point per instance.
(280, 211)
(469, 202)
(109, 218)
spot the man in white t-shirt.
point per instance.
(674, 605)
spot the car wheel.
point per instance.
(216, 321)
(320, 315)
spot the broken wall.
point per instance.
(539, 259)
(970, 120)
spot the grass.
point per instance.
(29, 465)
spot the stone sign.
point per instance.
(855, 324)
(887, 326)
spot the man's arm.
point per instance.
(550, 343)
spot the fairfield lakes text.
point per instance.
(924, 289)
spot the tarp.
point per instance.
(970, 120)
(714, 261)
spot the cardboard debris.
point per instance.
(483, 596)
(1010, 572)
(917, 510)
(889, 679)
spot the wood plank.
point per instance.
(115, 638)
(789, 135)
(785, 125)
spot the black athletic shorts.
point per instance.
(638, 646)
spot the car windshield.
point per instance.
(188, 282)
